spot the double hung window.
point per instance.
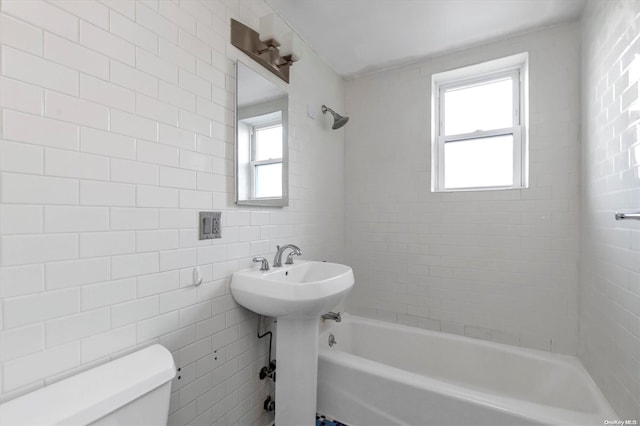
(266, 160)
(479, 116)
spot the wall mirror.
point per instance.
(261, 140)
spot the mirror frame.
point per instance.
(267, 202)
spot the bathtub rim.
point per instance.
(501, 402)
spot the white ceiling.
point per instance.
(360, 36)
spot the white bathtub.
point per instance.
(380, 373)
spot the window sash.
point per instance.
(479, 134)
(518, 159)
(513, 74)
(253, 165)
(254, 131)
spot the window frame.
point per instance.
(253, 164)
(514, 67)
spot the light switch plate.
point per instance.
(210, 225)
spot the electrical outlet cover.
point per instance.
(210, 225)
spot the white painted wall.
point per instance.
(496, 265)
(117, 128)
(610, 250)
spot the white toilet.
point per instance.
(132, 390)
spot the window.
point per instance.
(266, 160)
(261, 152)
(478, 122)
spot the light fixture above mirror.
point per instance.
(276, 47)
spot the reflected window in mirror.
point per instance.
(264, 140)
(261, 145)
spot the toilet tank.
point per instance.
(132, 390)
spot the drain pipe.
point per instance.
(268, 370)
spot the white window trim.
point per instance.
(253, 164)
(513, 66)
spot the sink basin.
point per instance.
(305, 289)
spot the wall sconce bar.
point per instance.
(265, 53)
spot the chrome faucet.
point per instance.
(335, 316)
(277, 261)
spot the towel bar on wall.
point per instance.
(620, 216)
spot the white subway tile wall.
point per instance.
(610, 250)
(494, 265)
(117, 127)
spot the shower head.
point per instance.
(338, 120)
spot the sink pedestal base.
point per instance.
(297, 373)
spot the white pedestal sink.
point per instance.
(296, 295)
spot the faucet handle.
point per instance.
(290, 256)
(264, 266)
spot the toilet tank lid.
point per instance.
(90, 395)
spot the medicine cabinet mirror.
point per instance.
(261, 140)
